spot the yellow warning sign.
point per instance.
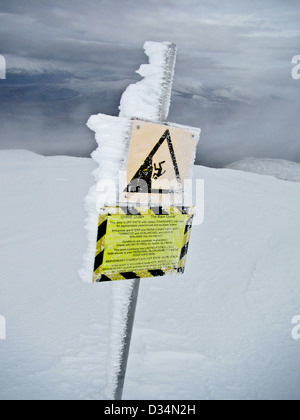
(160, 158)
(136, 242)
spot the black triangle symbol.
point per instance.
(142, 180)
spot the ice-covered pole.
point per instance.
(148, 99)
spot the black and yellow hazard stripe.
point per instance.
(99, 276)
(132, 210)
(102, 227)
(186, 243)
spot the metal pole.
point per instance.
(164, 104)
(127, 339)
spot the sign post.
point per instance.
(127, 339)
(145, 231)
(163, 111)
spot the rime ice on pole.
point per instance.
(144, 99)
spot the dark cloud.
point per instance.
(67, 60)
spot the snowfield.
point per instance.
(281, 169)
(221, 331)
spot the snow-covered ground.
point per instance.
(281, 169)
(221, 331)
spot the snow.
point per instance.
(281, 169)
(144, 99)
(54, 336)
(223, 330)
(112, 135)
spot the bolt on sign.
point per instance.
(147, 233)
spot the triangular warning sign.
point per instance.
(146, 179)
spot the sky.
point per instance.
(67, 60)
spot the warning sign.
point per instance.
(160, 158)
(147, 234)
(142, 242)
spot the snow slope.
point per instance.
(281, 169)
(221, 331)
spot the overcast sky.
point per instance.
(69, 59)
